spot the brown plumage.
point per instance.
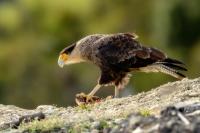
(118, 54)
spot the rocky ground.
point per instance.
(173, 107)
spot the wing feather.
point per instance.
(122, 51)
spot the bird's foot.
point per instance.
(83, 98)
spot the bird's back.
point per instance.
(122, 52)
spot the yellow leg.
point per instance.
(96, 88)
(116, 92)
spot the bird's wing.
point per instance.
(123, 51)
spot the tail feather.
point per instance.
(173, 61)
(180, 75)
(168, 66)
(174, 66)
(164, 69)
(171, 71)
(171, 67)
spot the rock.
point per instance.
(173, 107)
(95, 125)
(169, 121)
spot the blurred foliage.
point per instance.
(32, 33)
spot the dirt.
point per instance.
(179, 94)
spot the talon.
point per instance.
(82, 99)
(89, 99)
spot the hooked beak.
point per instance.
(62, 59)
(61, 63)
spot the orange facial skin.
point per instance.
(64, 57)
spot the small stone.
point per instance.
(134, 119)
(118, 121)
(115, 129)
(95, 125)
(124, 124)
(95, 131)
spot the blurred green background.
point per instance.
(32, 33)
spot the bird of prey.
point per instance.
(117, 55)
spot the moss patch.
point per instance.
(145, 112)
(87, 107)
(50, 124)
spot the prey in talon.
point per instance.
(82, 99)
(117, 55)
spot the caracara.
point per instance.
(117, 55)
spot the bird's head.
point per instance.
(76, 52)
(69, 55)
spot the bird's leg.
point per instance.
(117, 90)
(83, 98)
(91, 94)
